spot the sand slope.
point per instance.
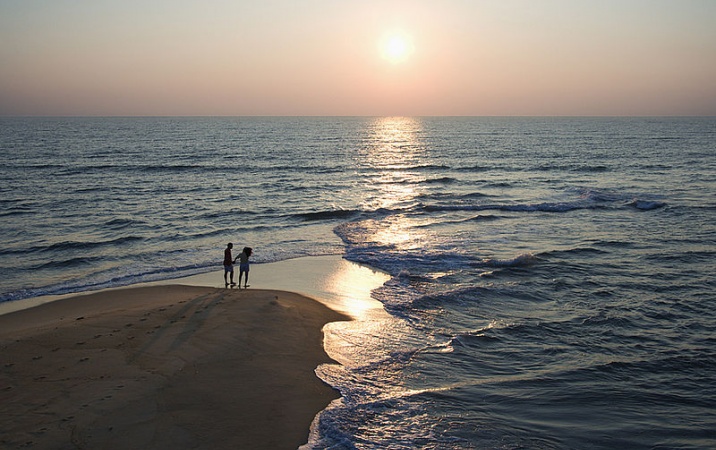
(163, 367)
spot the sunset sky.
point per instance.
(368, 57)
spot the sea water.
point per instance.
(551, 279)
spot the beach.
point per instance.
(163, 367)
(513, 282)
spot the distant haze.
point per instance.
(320, 57)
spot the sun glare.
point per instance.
(396, 47)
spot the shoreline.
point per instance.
(167, 365)
(164, 367)
(330, 279)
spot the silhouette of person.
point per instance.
(244, 265)
(228, 265)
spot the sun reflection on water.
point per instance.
(393, 143)
(393, 152)
(350, 286)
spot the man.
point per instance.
(229, 265)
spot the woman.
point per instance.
(244, 265)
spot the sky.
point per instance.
(358, 58)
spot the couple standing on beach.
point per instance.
(243, 265)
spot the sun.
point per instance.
(396, 47)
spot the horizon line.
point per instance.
(188, 116)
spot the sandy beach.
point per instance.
(164, 367)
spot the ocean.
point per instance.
(551, 279)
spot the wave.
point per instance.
(16, 211)
(480, 336)
(96, 189)
(70, 263)
(597, 195)
(72, 246)
(416, 167)
(477, 218)
(551, 207)
(11, 207)
(523, 260)
(483, 218)
(540, 207)
(178, 168)
(452, 197)
(120, 223)
(573, 168)
(606, 196)
(410, 181)
(573, 251)
(441, 180)
(612, 244)
(134, 168)
(473, 169)
(78, 245)
(41, 166)
(646, 205)
(690, 365)
(430, 167)
(692, 256)
(328, 215)
(499, 184)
